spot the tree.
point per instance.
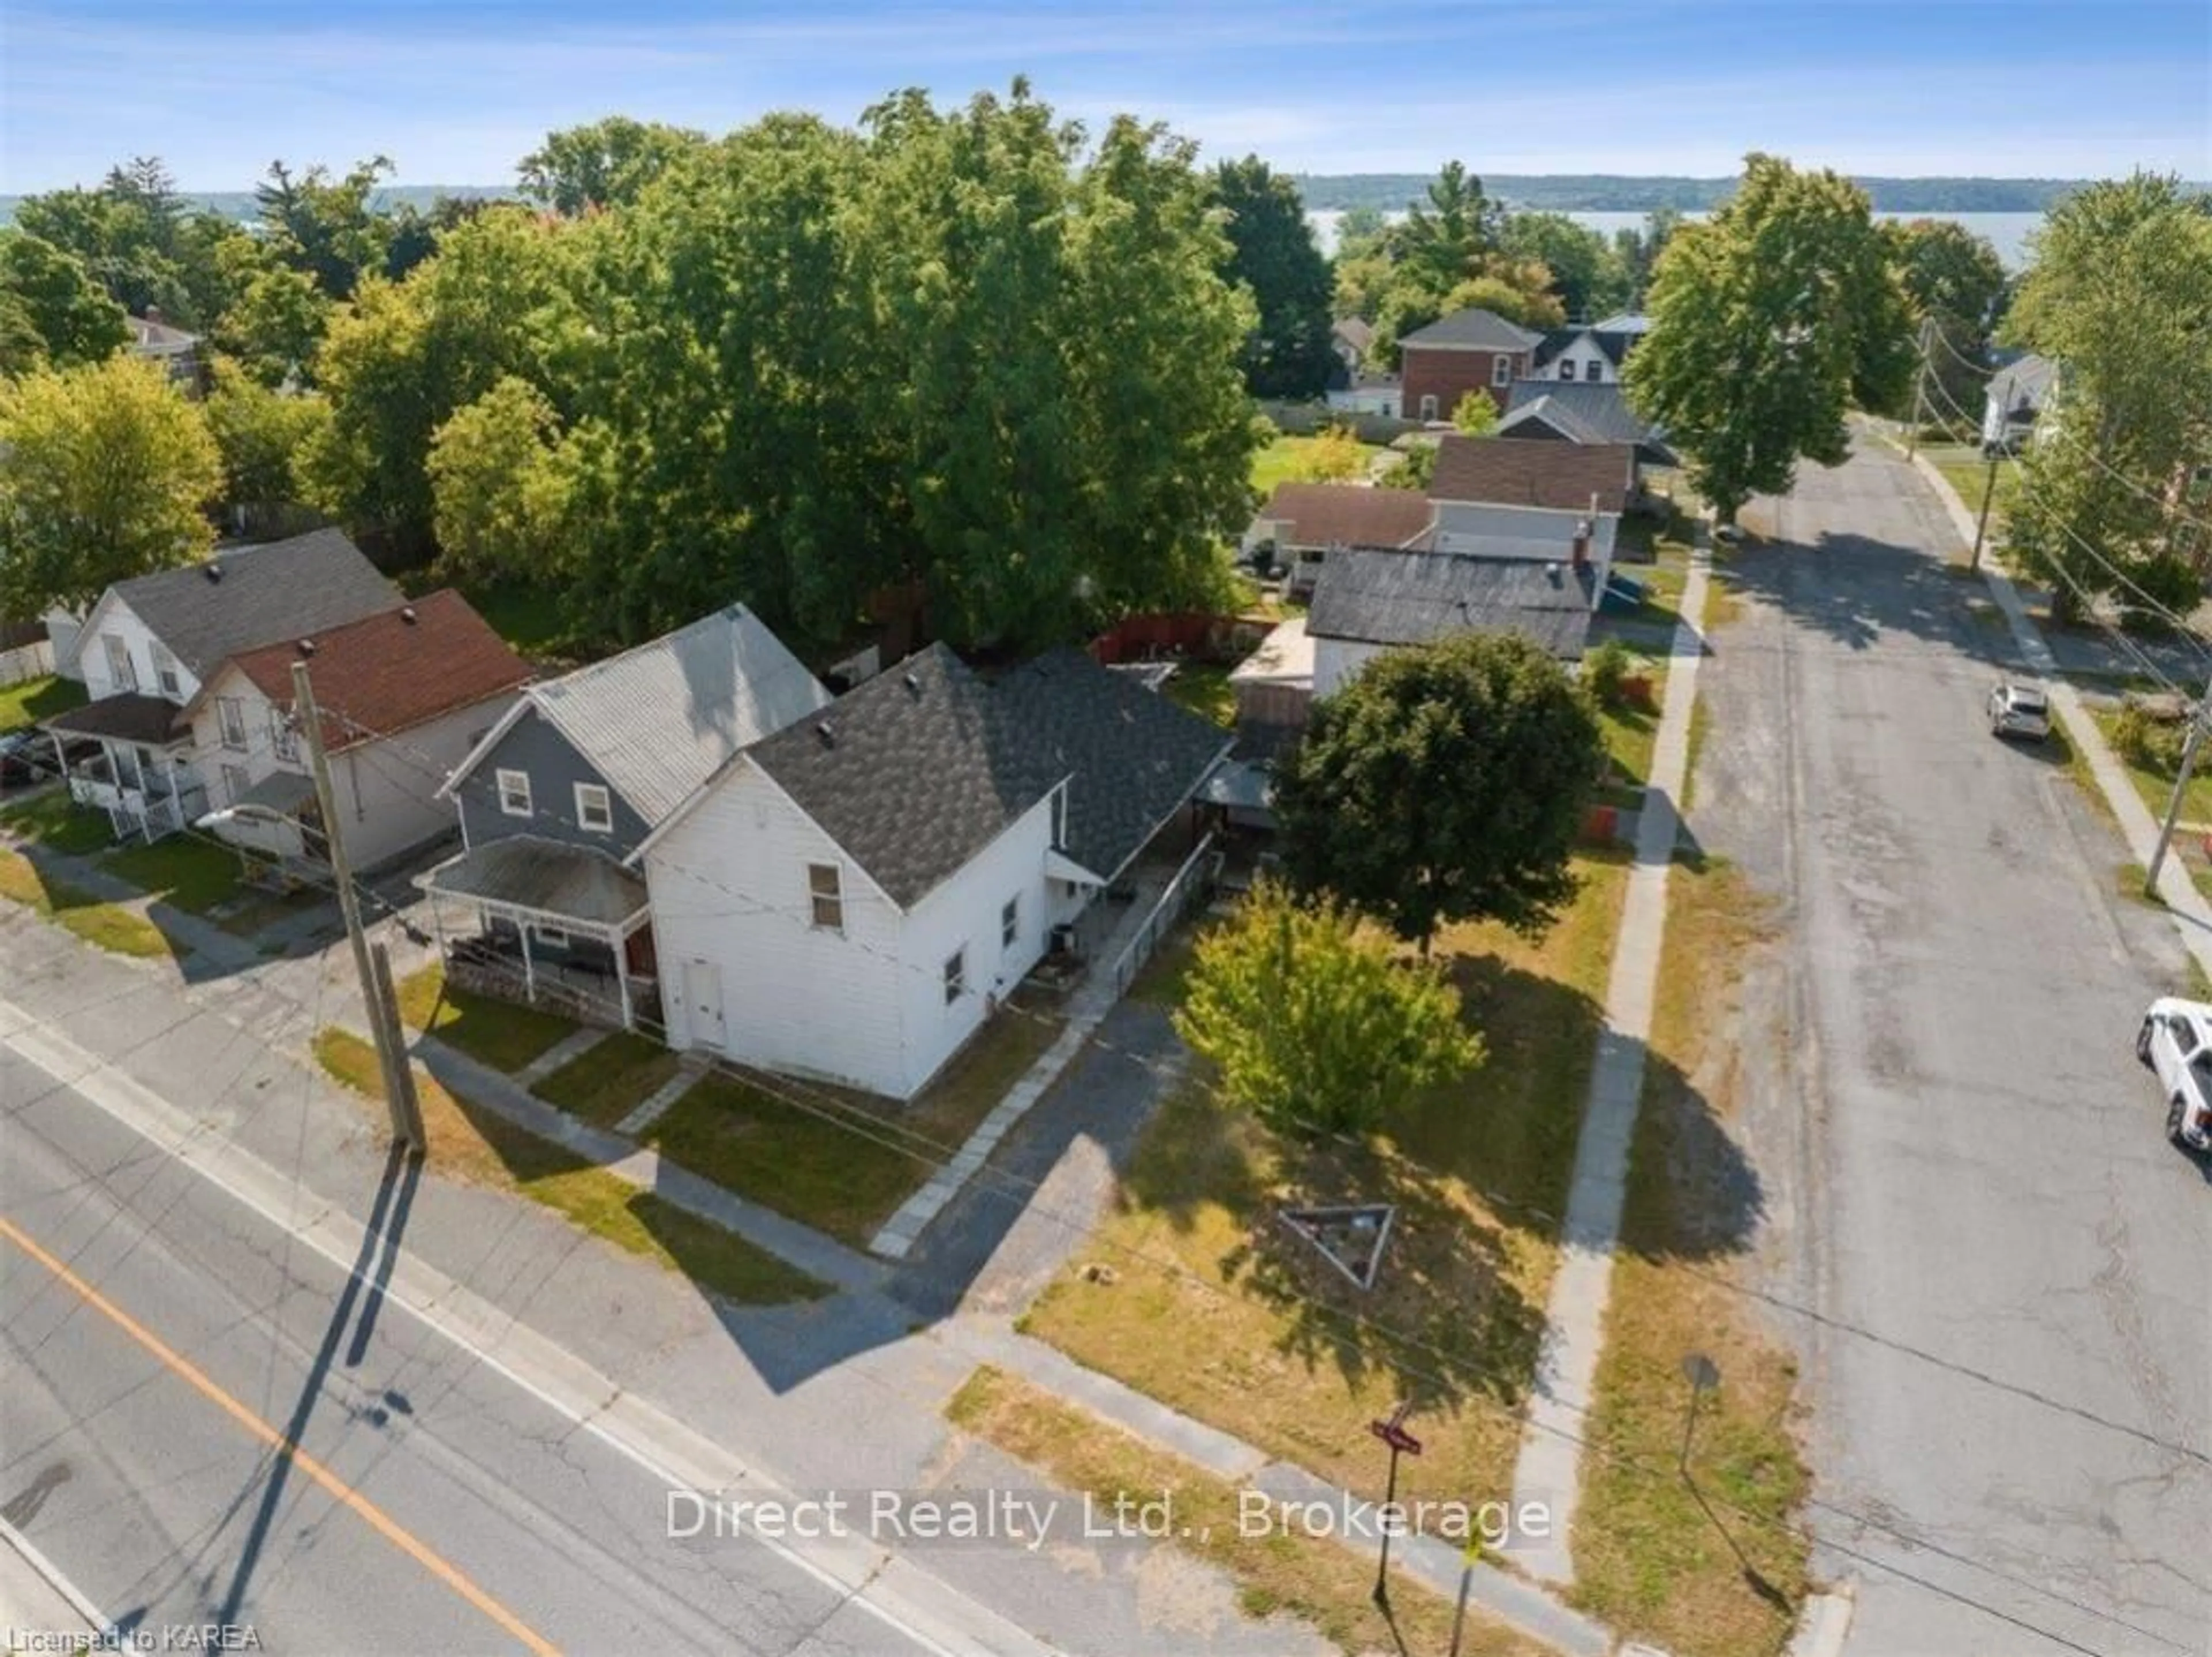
(1445, 783)
(497, 481)
(1273, 254)
(1311, 1024)
(1440, 245)
(1476, 414)
(327, 227)
(1587, 275)
(2120, 294)
(1336, 454)
(1768, 321)
(1954, 280)
(1637, 252)
(261, 434)
(276, 326)
(1418, 469)
(603, 164)
(1513, 290)
(106, 472)
(74, 321)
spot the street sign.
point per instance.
(1395, 1435)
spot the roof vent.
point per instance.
(1552, 570)
(307, 647)
(407, 614)
(911, 683)
(212, 569)
(828, 733)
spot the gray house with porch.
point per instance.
(555, 800)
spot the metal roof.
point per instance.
(543, 877)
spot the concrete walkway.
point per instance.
(2191, 913)
(1548, 1470)
(1087, 1008)
(1431, 1561)
(654, 1105)
(569, 1047)
(818, 1256)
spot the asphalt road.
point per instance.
(2011, 1399)
(432, 1504)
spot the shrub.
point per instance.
(1606, 670)
(2147, 743)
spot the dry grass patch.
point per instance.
(1713, 1565)
(1215, 1308)
(839, 1160)
(106, 926)
(480, 1149)
(1324, 1583)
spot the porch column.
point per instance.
(621, 972)
(529, 972)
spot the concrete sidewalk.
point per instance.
(38, 1603)
(2190, 912)
(1549, 1467)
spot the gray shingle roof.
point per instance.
(1374, 595)
(915, 771)
(543, 876)
(1584, 413)
(1475, 330)
(258, 595)
(658, 720)
(131, 716)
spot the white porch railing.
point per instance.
(1191, 883)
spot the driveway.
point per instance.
(1995, 1266)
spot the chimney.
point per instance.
(827, 733)
(307, 647)
(407, 614)
(1582, 544)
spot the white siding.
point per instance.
(385, 788)
(728, 886)
(864, 1006)
(113, 619)
(1336, 659)
(1584, 355)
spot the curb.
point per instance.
(50, 1578)
(1824, 1622)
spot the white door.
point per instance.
(702, 1003)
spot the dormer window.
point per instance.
(1566, 368)
(120, 673)
(1596, 373)
(165, 673)
(230, 716)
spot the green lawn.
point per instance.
(529, 616)
(1205, 690)
(841, 1161)
(1286, 459)
(604, 1083)
(108, 926)
(1965, 470)
(499, 1033)
(194, 875)
(1631, 731)
(35, 699)
(57, 823)
(2156, 787)
(475, 1145)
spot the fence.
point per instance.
(1303, 419)
(32, 660)
(1148, 638)
(1191, 882)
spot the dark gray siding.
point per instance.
(554, 768)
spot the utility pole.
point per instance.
(1920, 385)
(1989, 489)
(383, 1025)
(2197, 717)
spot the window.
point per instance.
(230, 714)
(595, 811)
(1428, 408)
(555, 937)
(829, 897)
(956, 976)
(120, 673)
(1594, 373)
(165, 672)
(234, 783)
(1010, 921)
(514, 793)
(1501, 370)
(283, 741)
(1566, 368)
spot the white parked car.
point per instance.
(2176, 1041)
(2018, 709)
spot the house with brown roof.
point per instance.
(1302, 522)
(1529, 472)
(404, 695)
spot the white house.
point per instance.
(404, 695)
(148, 643)
(850, 899)
(2016, 395)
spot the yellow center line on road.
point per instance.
(346, 1494)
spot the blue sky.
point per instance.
(454, 91)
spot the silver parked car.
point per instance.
(2176, 1041)
(2019, 709)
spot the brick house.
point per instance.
(1467, 350)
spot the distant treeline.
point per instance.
(1609, 193)
(239, 205)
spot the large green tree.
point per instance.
(106, 473)
(1954, 282)
(499, 487)
(1587, 273)
(1312, 1025)
(325, 225)
(1769, 321)
(262, 435)
(2119, 293)
(606, 163)
(1445, 783)
(58, 304)
(1274, 255)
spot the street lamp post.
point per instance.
(1392, 1433)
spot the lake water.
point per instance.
(2007, 232)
